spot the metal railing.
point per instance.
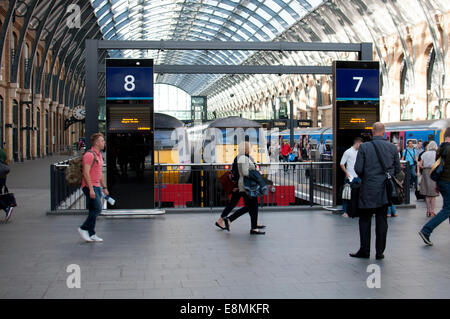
(198, 185)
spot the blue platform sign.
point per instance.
(129, 83)
(357, 84)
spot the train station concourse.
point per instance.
(224, 149)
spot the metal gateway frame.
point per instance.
(364, 50)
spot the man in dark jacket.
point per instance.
(373, 196)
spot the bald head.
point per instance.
(378, 129)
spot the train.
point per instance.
(398, 133)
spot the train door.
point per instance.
(401, 137)
(388, 136)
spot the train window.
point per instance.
(431, 137)
(413, 140)
(164, 139)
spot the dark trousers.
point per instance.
(381, 228)
(95, 208)
(235, 197)
(251, 206)
(3, 205)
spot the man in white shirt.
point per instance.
(348, 166)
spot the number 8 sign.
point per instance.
(129, 83)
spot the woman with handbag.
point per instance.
(245, 165)
(427, 185)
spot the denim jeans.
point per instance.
(444, 189)
(392, 210)
(95, 208)
(414, 175)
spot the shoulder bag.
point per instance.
(438, 166)
(394, 188)
(8, 198)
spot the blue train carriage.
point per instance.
(312, 135)
(399, 133)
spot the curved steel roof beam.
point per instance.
(37, 36)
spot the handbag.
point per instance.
(438, 167)
(4, 169)
(227, 182)
(291, 157)
(394, 184)
(347, 192)
(8, 198)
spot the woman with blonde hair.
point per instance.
(427, 185)
(245, 165)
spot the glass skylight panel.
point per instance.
(287, 17)
(263, 14)
(272, 5)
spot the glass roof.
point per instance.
(197, 20)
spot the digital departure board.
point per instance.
(130, 133)
(357, 117)
(356, 105)
(131, 118)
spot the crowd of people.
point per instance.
(366, 167)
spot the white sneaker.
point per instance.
(85, 235)
(96, 238)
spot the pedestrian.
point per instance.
(409, 155)
(373, 197)
(8, 209)
(93, 186)
(285, 151)
(427, 185)
(235, 195)
(443, 185)
(392, 210)
(245, 166)
(348, 167)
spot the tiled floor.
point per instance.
(303, 255)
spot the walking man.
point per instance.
(373, 196)
(348, 167)
(93, 185)
(443, 185)
(409, 154)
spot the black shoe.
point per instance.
(217, 224)
(261, 227)
(379, 256)
(256, 232)
(360, 255)
(426, 239)
(227, 223)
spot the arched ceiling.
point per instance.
(200, 20)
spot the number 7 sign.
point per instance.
(359, 79)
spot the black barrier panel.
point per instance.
(356, 107)
(130, 133)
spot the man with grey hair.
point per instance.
(373, 197)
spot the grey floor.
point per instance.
(303, 255)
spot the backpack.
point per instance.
(74, 172)
(438, 166)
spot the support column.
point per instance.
(45, 130)
(38, 102)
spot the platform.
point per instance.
(303, 255)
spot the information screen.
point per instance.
(129, 118)
(357, 117)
